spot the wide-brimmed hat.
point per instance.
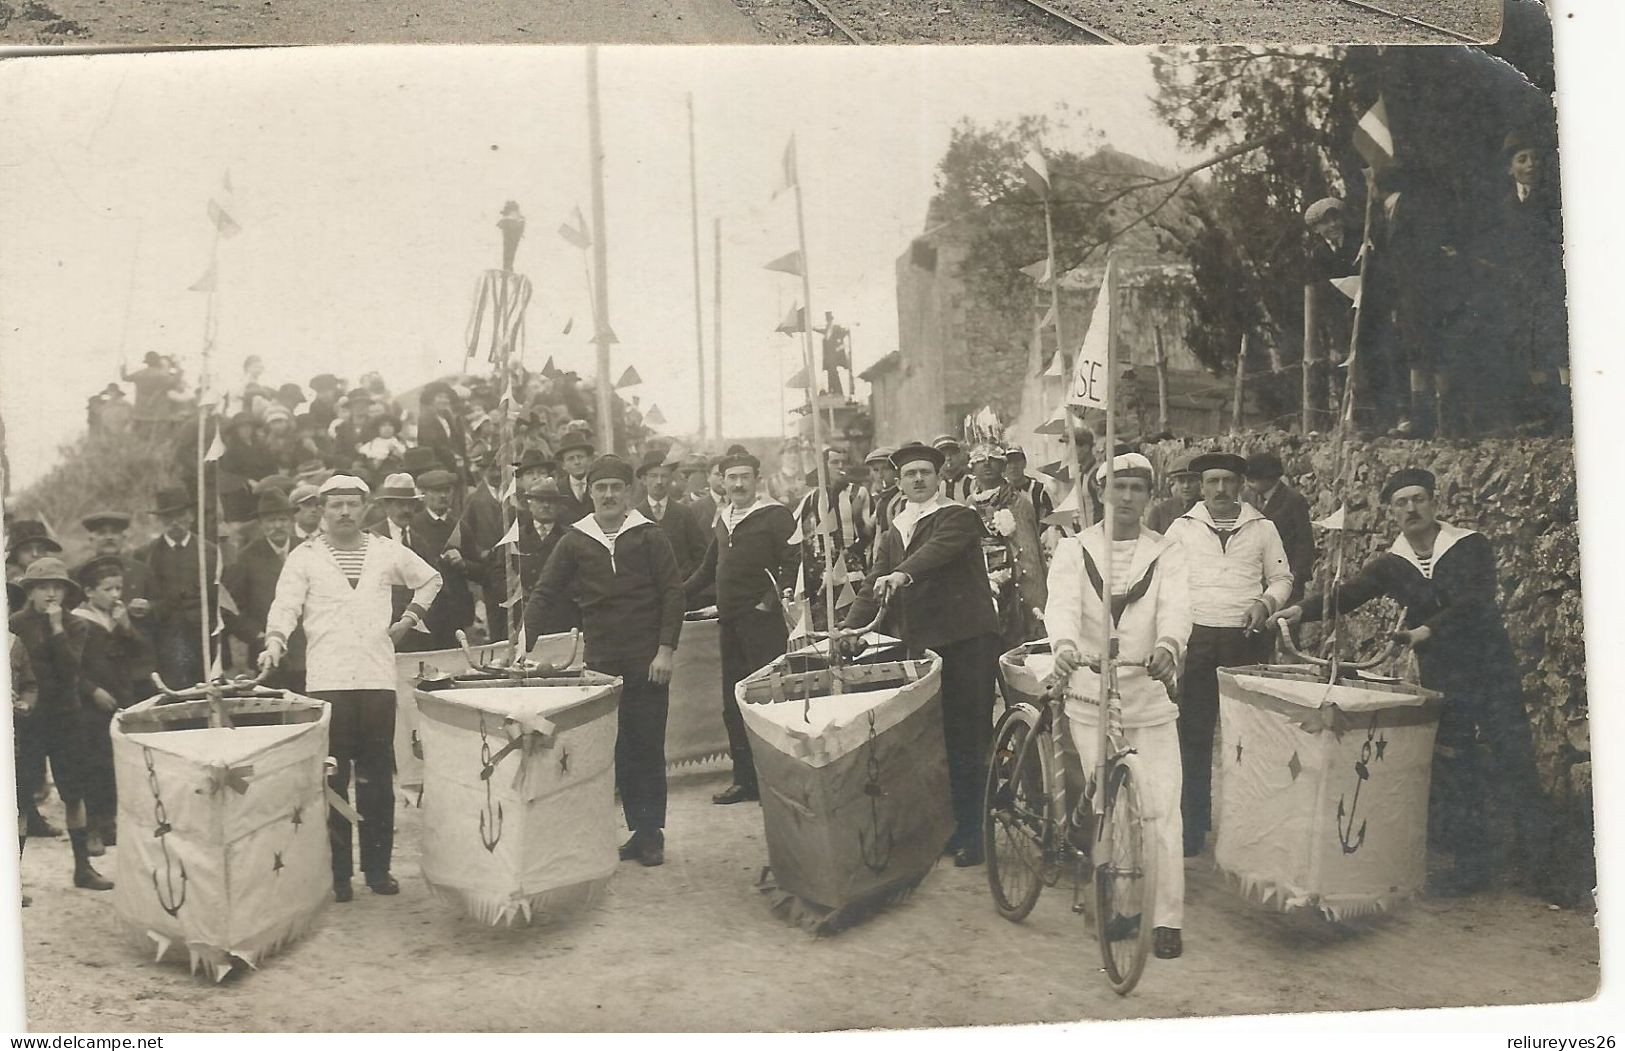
(545, 489)
(171, 500)
(439, 478)
(273, 502)
(651, 460)
(573, 440)
(113, 389)
(26, 531)
(47, 570)
(534, 458)
(113, 518)
(910, 452)
(398, 486)
(1219, 461)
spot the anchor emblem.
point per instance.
(491, 815)
(875, 857)
(172, 902)
(1346, 835)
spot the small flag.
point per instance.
(1333, 520)
(837, 572)
(204, 283)
(1056, 424)
(507, 494)
(1091, 371)
(1038, 271)
(797, 538)
(568, 325)
(513, 600)
(1035, 170)
(1050, 317)
(549, 369)
(1373, 138)
(511, 536)
(799, 380)
(827, 526)
(1349, 286)
(788, 263)
(223, 222)
(788, 176)
(228, 604)
(217, 448)
(794, 322)
(654, 417)
(629, 378)
(1057, 469)
(574, 230)
(1057, 366)
(803, 625)
(1065, 510)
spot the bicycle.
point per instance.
(1031, 836)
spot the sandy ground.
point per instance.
(693, 946)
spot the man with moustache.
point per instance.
(575, 453)
(436, 538)
(251, 580)
(688, 539)
(615, 567)
(176, 606)
(337, 586)
(1184, 489)
(749, 555)
(1238, 576)
(307, 512)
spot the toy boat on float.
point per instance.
(222, 822)
(518, 787)
(854, 781)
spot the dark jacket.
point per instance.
(176, 604)
(688, 539)
(1165, 513)
(453, 608)
(105, 662)
(57, 660)
(630, 603)
(445, 437)
(252, 583)
(950, 599)
(1289, 510)
(1469, 657)
(751, 564)
(535, 548)
(143, 660)
(483, 525)
(572, 510)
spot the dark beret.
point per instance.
(1406, 477)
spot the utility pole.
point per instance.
(602, 335)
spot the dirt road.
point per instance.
(692, 946)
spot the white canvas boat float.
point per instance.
(518, 789)
(222, 822)
(854, 782)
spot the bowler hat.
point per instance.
(171, 500)
(28, 530)
(534, 458)
(1219, 461)
(439, 478)
(419, 458)
(398, 486)
(273, 502)
(652, 459)
(291, 392)
(1406, 477)
(116, 519)
(113, 390)
(1264, 465)
(912, 452)
(152, 359)
(546, 489)
(575, 440)
(609, 466)
(359, 394)
(47, 570)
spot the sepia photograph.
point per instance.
(152, 23)
(1049, 534)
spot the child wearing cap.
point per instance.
(111, 646)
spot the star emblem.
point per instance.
(298, 817)
(1238, 751)
(277, 866)
(1382, 743)
(564, 761)
(1295, 765)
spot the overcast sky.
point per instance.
(368, 182)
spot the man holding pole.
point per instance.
(337, 586)
(929, 569)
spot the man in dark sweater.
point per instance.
(251, 580)
(1288, 509)
(438, 540)
(176, 605)
(616, 567)
(929, 569)
(1445, 578)
(750, 554)
(55, 644)
(688, 539)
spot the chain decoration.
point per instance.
(875, 857)
(490, 819)
(161, 828)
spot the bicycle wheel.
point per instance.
(1125, 880)
(1018, 821)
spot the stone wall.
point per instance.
(1520, 493)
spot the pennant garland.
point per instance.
(218, 215)
(1373, 138)
(654, 417)
(629, 378)
(794, 323)
(788, 263)
(574, 230)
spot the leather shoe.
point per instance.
(39, 828)
(736, 794)
(632, 848)
(93, 844)
(653, 852)
(87, 878)
(968, 856)
(1168, 943)
(342, 891)
(384, 884)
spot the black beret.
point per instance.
(608, 466)
(738, 456)
(1220, 462)
(913, 451)
(1406, 477)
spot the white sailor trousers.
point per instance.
(1160, 786)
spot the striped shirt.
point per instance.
(1122, 562)
(349, 561)
(1425, 564)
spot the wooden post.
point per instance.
(1241, 380)
(210, 322)
(1310, 354)
(513, 228)
(602, 335)
(1162, 382)
(716, 336)
(694, 224)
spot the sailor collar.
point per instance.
(1200, 513)
(730, 522)
(1448, 537)
(590, 527)
(1148, 549)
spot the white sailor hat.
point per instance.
(1132, 465)
(343, 483)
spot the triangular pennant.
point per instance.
(228, 604)
(549, 369)
(788, 263)
(654, 417)
(1057, 369)
(1349, 286)
(1065, 510)
(1091, 385)
(507, 494)
(801, 577)
(1049, 317)
(218, 213)
(1038, 271)
(568, 325)
(1334, 520)
(827, 524)
(797, 538)
(205, 283)
(799, 380)
(1372, 137)
(1058, 469)
(629, 378)
(837, 572)
(787, 168)
(1035, 170)
(794, 323)
(803, 627)
(217, 449)
(1056, 424)
(606, 335)
(574, 230)
(511, 536)
(513, 600)
(846, 597)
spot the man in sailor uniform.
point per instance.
(1150, 608)
(1445, 578)
(750, 557)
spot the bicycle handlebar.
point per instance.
(1389, 652)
